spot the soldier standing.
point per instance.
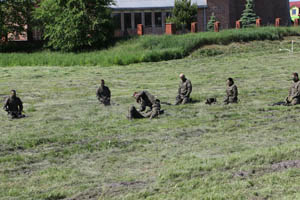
(294, 92)
(14, 106)
(103, 94)
(184, 90)
(231, 92)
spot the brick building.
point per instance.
(152, 13)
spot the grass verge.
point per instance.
(147, 48)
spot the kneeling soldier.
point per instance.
(103, 94)
(231, 92)
(184, 90)
(294, 93)
(14, 106)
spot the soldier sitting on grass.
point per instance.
(103, 94)
(231, 92)
(294, 92)
(184, 90)
(145, 99)
(14, 106)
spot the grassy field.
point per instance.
(70, 147)
(148, 48)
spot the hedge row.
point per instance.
(147, 48)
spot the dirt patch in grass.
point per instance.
(94, 193)
(285, 165)
(276, 167)
(110, 190)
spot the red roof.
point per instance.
(295, 3)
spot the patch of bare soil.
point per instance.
(276, 167)
(286, 165)
(244, 174)
(94, 193)
(110, 190)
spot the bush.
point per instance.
(71, 25)
(151, 48)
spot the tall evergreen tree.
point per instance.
(211, 22)
(249, 16)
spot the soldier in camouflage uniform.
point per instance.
(103, 94)
(294, 92)
(14, 106)
(145, 99)
(231, 92)
(184, 90)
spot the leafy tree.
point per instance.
(70, 25)
(249, 17)
(184, 12)
(211, 22)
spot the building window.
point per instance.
(148, 19)
(294, 11)
(137, 19)
(117, 20)
(168, 14)
(127, 20)
(36, 33)
(158, 19)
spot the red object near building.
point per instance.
(3, 39)
(277, 22)
(170, 29)
(140, 29)
(296, 22)
(217, 26)
(238, 24)
(194, 28)
(258, 22)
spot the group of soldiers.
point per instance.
(14, 106)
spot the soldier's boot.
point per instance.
(106, 102)
(185, 100)
(14, 115)
(231, 100)
(295, 102)
(178, 100)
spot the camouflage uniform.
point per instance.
(231, 94)
(103, 95)
(14, 107)
(294, 94)
(146, 100)
(184, 92)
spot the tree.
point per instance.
(16, 17)
(249, 17)
(211, 22)
(70, 25)
(184, 12)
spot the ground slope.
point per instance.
(71, 147)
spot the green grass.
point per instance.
(146, 49)
(71, 147)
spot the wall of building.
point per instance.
(267, 10)
(221, 10)
(229, 11)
